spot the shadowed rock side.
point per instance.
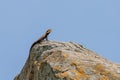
(52, 60)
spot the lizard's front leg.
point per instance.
(46, 38)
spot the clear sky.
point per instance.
(93, 23)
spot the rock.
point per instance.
(52, 60)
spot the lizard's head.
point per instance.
(48, 31)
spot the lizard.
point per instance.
(44, 36)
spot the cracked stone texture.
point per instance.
(51, 60)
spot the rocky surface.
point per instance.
(52, 60)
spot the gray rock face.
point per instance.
(52, 60)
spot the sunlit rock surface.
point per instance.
(51, 60)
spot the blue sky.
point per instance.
(93, 23)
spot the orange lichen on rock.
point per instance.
(100, 69)
(58, 68)
(78, 75)
(65, 55)
(75, 74)
(75, 63)
(80, 69)
(62, 75)
(35, 62)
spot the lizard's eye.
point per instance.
(49, 30)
